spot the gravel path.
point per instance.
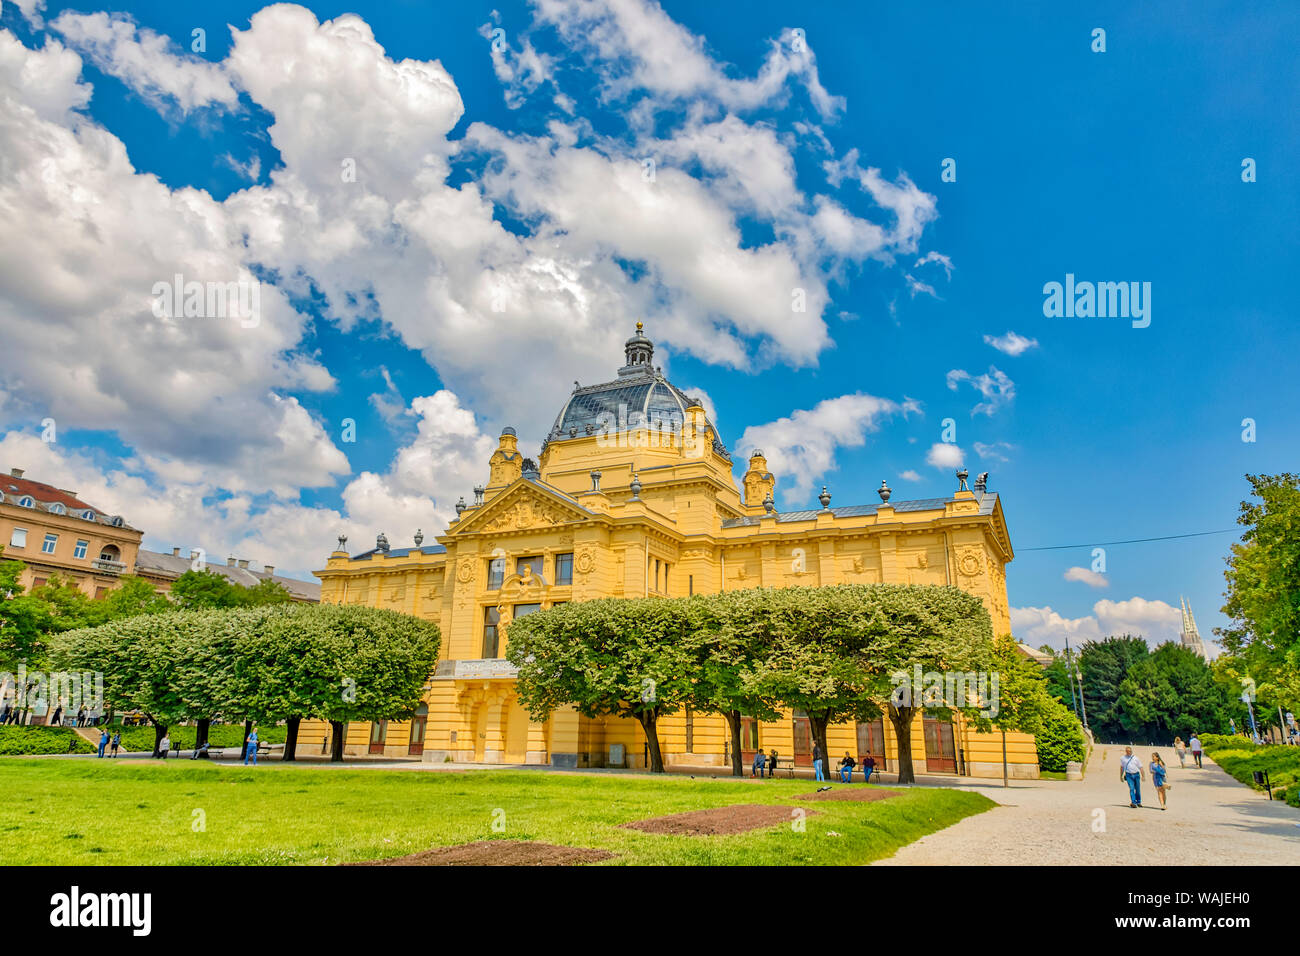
(1211, 819)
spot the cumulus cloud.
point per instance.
(800, 448)
(1154, 620)
(1012, 343)
(995, 386)
(944, 455)
(910, 475)
(1089, 577)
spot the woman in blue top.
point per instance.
(1158, 771)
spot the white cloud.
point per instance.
(943, 455)
(1087, 576)
(801, 447)
(910, 475)
(936, 257)
(1154, 620)
(994, 451)
(1012, 343)
(143, 61)
(996, 387)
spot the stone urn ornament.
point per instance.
(884, 491)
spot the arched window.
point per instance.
(58, 509)
(88, 515)
(116, 522)
(110, 552)
(26, 501)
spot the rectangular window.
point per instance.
(533, 563)
(19, 538)
(523, 610)
(491, 621)
(496, 573)
(690, 730)
(690, 584)
(38, 582)
(48, 545)
(564, 570)
(80, 550)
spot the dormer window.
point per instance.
(58, 509)
(26, 501)
(88, 515)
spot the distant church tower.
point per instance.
(1191, 636)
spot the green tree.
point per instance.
(1104, 665)
(265, 592)
(630, 658)
(24, 620)
(194, 590)
(1263, 589)
(133, 595)
(1172, 691)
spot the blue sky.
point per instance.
(501, 152)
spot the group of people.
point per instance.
(1132, 772)
(767, 761)
(105, 742)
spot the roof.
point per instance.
(13, 489)
(400, 552)
(172, 566)
(986, 499)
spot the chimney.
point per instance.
(269, 569)
(230, 561)
(176, 552)
(16, 472)
(243, 564)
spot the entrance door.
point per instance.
(940, 748)
(871, 742)
(378, 736)
(418, 724)
(748, 740)
(802, 740)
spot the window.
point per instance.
(110, 553)
(19, 538)
(88, 515)
(534, 563)
(58, 509)
(491, 623)
(38, 582)
(100, 592)
(80, 550)
(690, 730)
(564, 569)
(26, 501)
(49, 544)
(496, 572)
(523, 610)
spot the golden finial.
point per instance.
(639, 326)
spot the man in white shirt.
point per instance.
(1130, 771)
(1194, 745)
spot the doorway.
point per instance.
(803, 743)
(378, 736)
(418, 724)
(940, 746)
(871, 742)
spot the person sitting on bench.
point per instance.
(760, 759)
(771, 762)
(846, 768)
(868, 765)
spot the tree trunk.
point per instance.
(159, 732)
(817, 724)
(248, 729)
(901, 719)
(336, 750)
(648, 719)
(737, 763)
(201, 733)
(291, 739)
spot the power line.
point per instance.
(1102, 544)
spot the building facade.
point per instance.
(634, 496)
(54, 532)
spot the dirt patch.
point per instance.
(720, 821)
(857, 795)
(496, 853)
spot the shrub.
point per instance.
(1060, 739)
(18, 740)
(1240, 757)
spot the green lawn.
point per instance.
(1240, 757)
(132, 812)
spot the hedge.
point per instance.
(1240, 757)
(1060, 739)
(18, 739)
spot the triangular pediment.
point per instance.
(523, 506)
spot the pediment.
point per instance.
(521, 507)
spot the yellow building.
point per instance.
(634, 496)
(54, 532)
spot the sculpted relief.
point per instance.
(526, 513)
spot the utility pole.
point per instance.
(1069, 675)
(1084, 706)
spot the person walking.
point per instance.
(846, 768)
(58, 716)
(250, 748)
(81, 716)
(868, 765)
(164, 745)
(771, 762)
(818, 764)
(115, 743)
(1180, 748)
(1131, 772)
(1158, 771)
(103, 742)
(760, 759)
(1195, 746)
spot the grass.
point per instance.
(1240, 757)
(132, 812)
(18, 739)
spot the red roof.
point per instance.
(17, 487)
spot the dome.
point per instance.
(640, 396)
